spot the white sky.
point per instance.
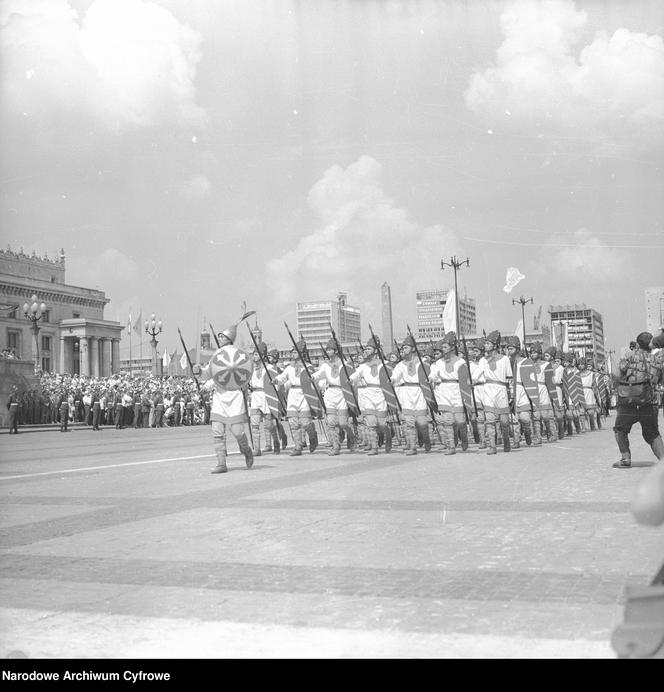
(193, 155)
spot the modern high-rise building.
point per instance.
(386, 312)
(654, 309)
(584, 327)
(430, 307)
(314, 319)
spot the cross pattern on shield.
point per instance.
(231, 368)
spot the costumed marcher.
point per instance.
(445, 374)
(572, 390)
(408, 382)
(273, 360)
(226, 376)
(373, 406)
(259, 409)
(336, 407)
(522, 403)
(476, 353)
(543, 411)
(554, 357)
(497, 374)
(297, 407)
(590, 402)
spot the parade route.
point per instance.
(121, 544)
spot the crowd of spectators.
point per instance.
(123, 401)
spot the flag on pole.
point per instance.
(519, 329)
(129, 323)
(449, 313)
(183, 361)
(166, 360)
(137, 324)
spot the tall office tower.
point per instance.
(314, 318)
(386, 312)
(584, 327)
(654, 309)
(430, 308)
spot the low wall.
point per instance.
(15, 372)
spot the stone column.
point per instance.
(106, 357)
(63, 346)
(115, 356)
(94, 352)
(85, 356)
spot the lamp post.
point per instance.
(153, 328)
(455, 264)
(34, 313)
(523, 302)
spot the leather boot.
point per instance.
(490, 439)
(220, 452)
(372, 438)
(411, 440)
(313, 437)
(275, 442)
(387, 433)
(599, 421)
(505, 427)
(516, 444)
(622, 441)
(591, 420)
(245, 448)
(476, 432)
(333, 437)
(577, 425)
(297, 441)
(256, 434)
(426, 438)
(463, 436)
(350, 439)
(448, 437)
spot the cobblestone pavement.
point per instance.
(121, 544)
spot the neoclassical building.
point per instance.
(73, 336)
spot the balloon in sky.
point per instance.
(512, 279)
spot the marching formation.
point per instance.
(491, 389)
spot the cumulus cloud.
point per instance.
(197, 187)
(589, 261)
(125, 62)
(541, 73)
(363, 239)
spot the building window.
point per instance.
(46, 316)
(76, 315)
(14, 341)
(46, 342)
(46, 364)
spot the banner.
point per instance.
(449, 312)
(466, 389)
(183, 362)
(529, 381)
(166, 360)
(137, 324)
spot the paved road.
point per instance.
(121, 544)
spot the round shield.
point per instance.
(230, 368)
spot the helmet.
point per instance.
(438, 346)
(552, 351)
(331, 345)
(535, 346)
(262, 348)
(514, 341)
(493, 337)
(408, 341)
(450, 338)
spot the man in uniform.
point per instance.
(554, 357)
(523, 406)
(590, 405)
(406, 379)
(497, 373)
(13, 403)
(228, 410)
(572, 412)
(444, 375)
(273, 360)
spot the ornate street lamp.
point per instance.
(153, 328)
(522, 301)
(455, 263)
(35, 312)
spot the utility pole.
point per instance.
(455, 263)
(523, 302)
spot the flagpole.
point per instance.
(130, 328)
